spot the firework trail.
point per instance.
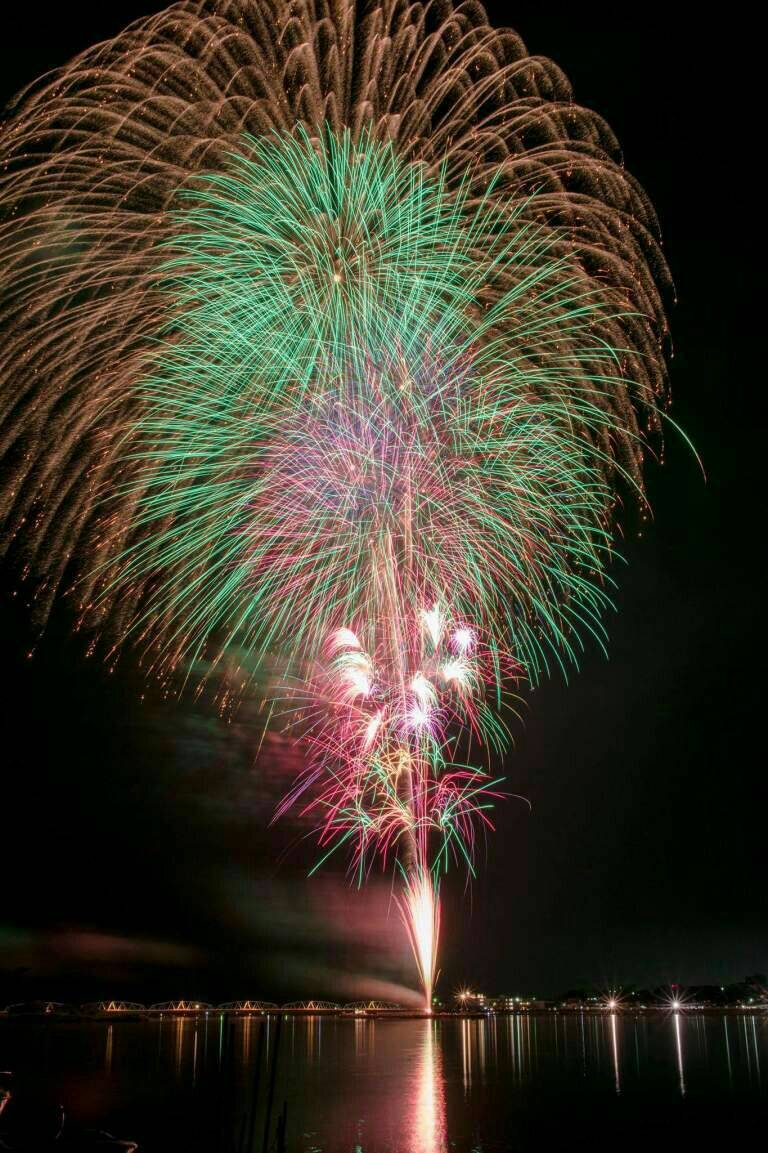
(331, 336)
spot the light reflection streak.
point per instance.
(466, 1055)
(518, 1043)
(474, 1046)
(522, 1045)
(428, 1110)
(679, 1049)
(108, 1053)
(493, 1041)
(747, 1054)
(755, 1049)
(595, 1040)
(246, 1041)
(363, 1037)
(314, 1038)
(615, 1050)
(180, 1023)
(527, 1048)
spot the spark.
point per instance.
(433, 623)
(463, 639)
(335, 375)
(421, 914)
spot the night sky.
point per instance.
(136, 854)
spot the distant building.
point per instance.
(470, 1002)
(505, 1003)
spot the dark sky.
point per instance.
(136, 857)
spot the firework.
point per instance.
(331, 338)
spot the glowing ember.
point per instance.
(344, 374)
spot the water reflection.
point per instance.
(466, 1053)
(752, 1048)
(364, 1036)
(314, 1031)
(428, 1103)
(109, 1048)
(180, 1025)
(479, 1047)
(615, 1052)
(679, 1050)
(389, 1086)
(755, 1047)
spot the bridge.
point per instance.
(114, 1009)
(360, 1008)
(311, 1007)
(181, 1008)
(107, 1008)
(236, 1007)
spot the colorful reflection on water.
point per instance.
(408, 1086)
(427, 1106)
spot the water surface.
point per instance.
(614, 1081)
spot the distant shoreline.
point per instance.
(75, 1017)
